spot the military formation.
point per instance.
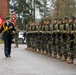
(55, 38)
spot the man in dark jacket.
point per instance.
(7, 30)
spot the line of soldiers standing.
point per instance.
(56, 38)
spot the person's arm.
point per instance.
(12, 27)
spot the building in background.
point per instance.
(4, 8)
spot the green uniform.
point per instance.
(54, 51)
(49, 39)
(70, 43)
(75, 42)
(64, 36)
(16, 37)
(59, 40)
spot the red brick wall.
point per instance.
(4, 8)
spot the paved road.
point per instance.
(25, 62)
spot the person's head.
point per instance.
(75, 20)
(54, 21)
(65, 20)
(8, 19)
(60, 21)
(71, 19)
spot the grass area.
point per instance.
(1, 41)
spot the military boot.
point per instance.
(48, 54)
(37, 50)
(63, 58)
(45, 52)
(41, 51)
(58, 56)
(34, 49)
(69, 60)
(53, 55)
(31, 48)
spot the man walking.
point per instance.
(7, 30)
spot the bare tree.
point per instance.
(63, 8)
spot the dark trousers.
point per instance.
(7, 46)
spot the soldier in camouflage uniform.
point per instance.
(32, 36)
(49, 30)
(75, 39)
(59, 39)
(45, 33)
(39, 37)
(27, 36)
(44, 47)
(16, 36)
(54, 51)
(64, 37)
(70, 40)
